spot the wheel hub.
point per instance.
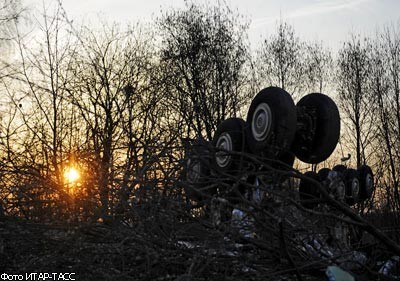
(340, 191)
(369, 183)
(225, 144)
(355, 188)
(193, 173)
(261, 122)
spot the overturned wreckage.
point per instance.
(274, 133)
(247, 161)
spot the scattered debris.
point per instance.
(335, 273)
(391, 268)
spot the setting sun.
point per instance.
(71, 175)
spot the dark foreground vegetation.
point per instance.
(164, 238)
(118, 105)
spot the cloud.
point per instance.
(317, 8)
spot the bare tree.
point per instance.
(318, 67)
(385, 81)
(203, 57)
(34, 86)
(280, 60)
(11, 11)
(114, 91)
(352, 81)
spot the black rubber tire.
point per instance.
(282, 127)
(367, 185)
(308, 190)
(198, 173)
(341, 169)
(327, 129)
(233, 130)
(352, 182)
(324, 173)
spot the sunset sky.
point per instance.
(328, 20)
